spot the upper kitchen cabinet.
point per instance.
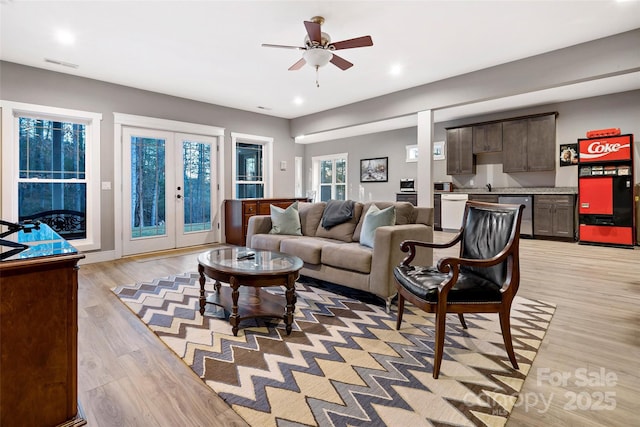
(460, 157)
(487, 138)
(529, 144)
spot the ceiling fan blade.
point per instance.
(363, 41)
(298, 65)
(341, 63)
(313, 29)
(281, 46)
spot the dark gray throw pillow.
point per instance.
(336, 212)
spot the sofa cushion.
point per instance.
(344, 231)
(268, 242)
(308, 249)
(352, 256)
(285, 221)
(373, 219)
(310, 216)
(405, 214)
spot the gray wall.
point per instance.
(35, 86)
(389, 144)
(575, 118)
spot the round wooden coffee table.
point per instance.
(245, 298)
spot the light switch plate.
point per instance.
(106, 185)
(283, 165)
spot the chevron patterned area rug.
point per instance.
(344, 363)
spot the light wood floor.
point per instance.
(127, 377)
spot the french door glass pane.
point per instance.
(148, 190)
(196, 158)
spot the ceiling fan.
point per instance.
(318, 48)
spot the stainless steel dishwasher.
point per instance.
(526, 228)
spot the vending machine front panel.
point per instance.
(596, 195)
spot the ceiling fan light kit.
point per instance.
(318, 48)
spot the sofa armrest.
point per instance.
(387, 254)
(258, 224)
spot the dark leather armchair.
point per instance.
(483, 279)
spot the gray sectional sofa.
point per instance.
(336, 255)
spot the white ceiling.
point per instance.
(211, 51)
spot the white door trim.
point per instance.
(120, 120)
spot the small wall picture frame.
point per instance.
(438, 150)
(374, 170)
(568, 154)
(412, 153)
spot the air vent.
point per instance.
(63, 63)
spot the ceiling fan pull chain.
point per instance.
(317, 77)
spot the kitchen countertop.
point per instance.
(519, 190)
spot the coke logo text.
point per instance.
(598, 147)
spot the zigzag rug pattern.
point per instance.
(344, 363)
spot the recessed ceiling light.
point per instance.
(298, 100)
(65, 37)
(395, 70)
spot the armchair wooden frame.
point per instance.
(451, 266)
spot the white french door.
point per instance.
(168, 188)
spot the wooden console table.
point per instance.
(238, 211)
(39, 331)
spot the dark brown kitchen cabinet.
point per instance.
(528, 144)
(460, 157)
(487, 138)
(554, 216)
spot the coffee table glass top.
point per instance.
(249, 261)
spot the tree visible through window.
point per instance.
(52, 184)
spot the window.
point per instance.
(51, 170)
(251, 166)
(330, 177)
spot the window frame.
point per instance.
(315, 161)
(267, 161)
(10, 152)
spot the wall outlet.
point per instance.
(106, 185)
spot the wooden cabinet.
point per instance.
(38, 336)
(407, 197)
(487, 138)
(529, 144)
(437, 212)
(238, 211)
(460, 157)
(487, 198)
(554, 216)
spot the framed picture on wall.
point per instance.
(374, 170)
(568, 154)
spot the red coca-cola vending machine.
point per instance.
(605, 190)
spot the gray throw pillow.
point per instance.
(285, 221)
(373, 219)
